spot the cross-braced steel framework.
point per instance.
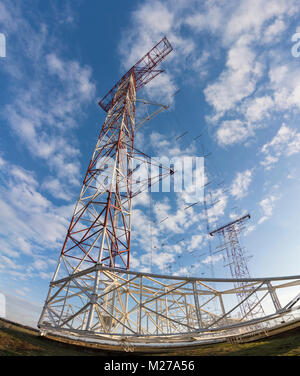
(159, 309)
(94, 295)
(100, 228)
(236, 260)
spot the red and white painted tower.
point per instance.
(100, 229)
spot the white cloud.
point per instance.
(195, 242)
(258, 108)
(182, 271)
(216, 206)
(42, 114)
(161, 89)
(285, 143)
(56, 189)
(141, 230)
(149, 23)
(267, 206)
(251, 15)
(232, 132)
(240, 185)
(142, 199)
(156, 16)
(237, 81)
(242, 17)
(285, 83)
(212, 259)
(211, 19)
(274, 30)
(167, 146)
(29, 223)
(162, 259)
(239, 89)
(157, 242)
(72, 74)
(249, 229)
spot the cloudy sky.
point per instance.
(238, 76)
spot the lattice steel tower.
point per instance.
(100, 229)
(235, 257)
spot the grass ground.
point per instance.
(21, 341)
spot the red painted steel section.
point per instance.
(100, 230)
(145, 70)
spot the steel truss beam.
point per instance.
(148, 306)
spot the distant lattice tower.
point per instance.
(235, 258)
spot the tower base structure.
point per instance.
(134, 310)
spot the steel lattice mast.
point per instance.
(236, 260)
(100, 229)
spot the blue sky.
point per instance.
(239, 88)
